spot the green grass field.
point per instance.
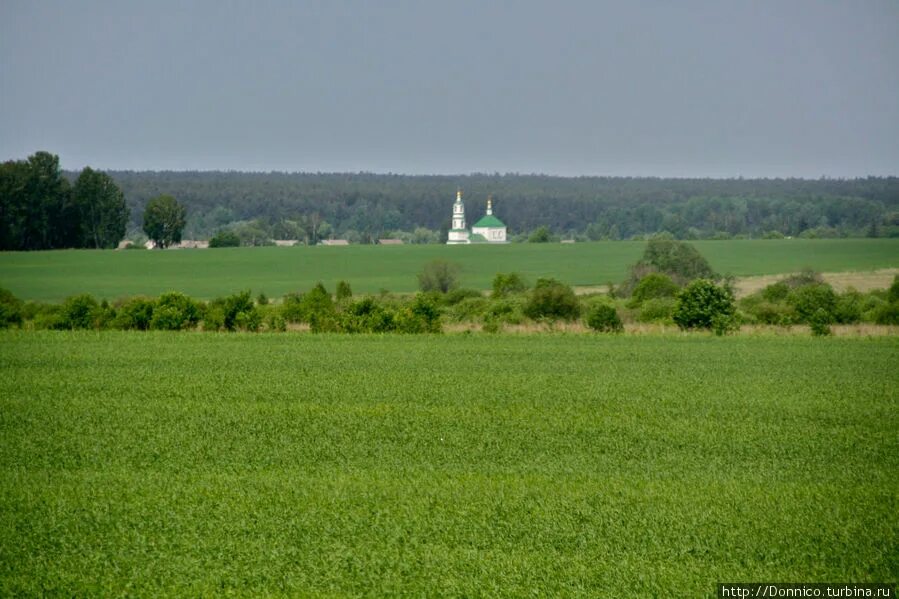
(471, 465)
(205, 274)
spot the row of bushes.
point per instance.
(656, 298)
(700, 305)
(176, 311)
(171, 311)
(511, 303)
(342, 314)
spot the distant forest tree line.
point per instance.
(366, 207)
(44, 207)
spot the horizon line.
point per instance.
(498, 174)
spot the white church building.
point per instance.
(488, 229)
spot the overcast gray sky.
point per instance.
(717, 88)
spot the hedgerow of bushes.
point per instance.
(803, 299)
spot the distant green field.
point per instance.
(205, 274)
(156, 464)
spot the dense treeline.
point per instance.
(40, 209)
(364, 207)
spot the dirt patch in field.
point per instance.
(638, 329)
(591, 289)
(841, 281)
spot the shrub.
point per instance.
(175, 311)
(364, 316)
(457, 295)
(723, 324)
(678, 259)
(30, 309)
(248, 320)
(704, 305)
(225, 239)
(848, 309)
(105, 316)
(167, 318)
(604, 318)
(234, 312)
(540, 235)
(552, 300)
(491, 325)
(427, 312)
(214, 318)
(870, 303)
(276, 322)
(439, 275)
(806, 276)
(261, 299)
(653, 286)
(343, 291)
(772, 313)
(11, 309)
(421, 316)
(808, 299)
(820, 323)
(508, 284)
(887, 313)
(314, 304)
(48, 316)
(317, 301)
(323, 322)
(78, 312)
(508, 311)
(776, 292)
(655, 310)
(893, 291)
(469, 309)
(292, 307)
(135, 314)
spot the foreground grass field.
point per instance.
(468, 465)
(205, 274)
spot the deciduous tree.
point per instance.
(101, 208)
(164, 219)
(439, 275)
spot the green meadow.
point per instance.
(205, 274)
(467, 465)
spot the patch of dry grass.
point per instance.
(841, 281)
(658, 329)
(861, 281)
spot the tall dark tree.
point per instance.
(102, 210)
(35, 205)
(13, 175)
(164, 219)
(51, 220)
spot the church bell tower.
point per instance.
(458, 233)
